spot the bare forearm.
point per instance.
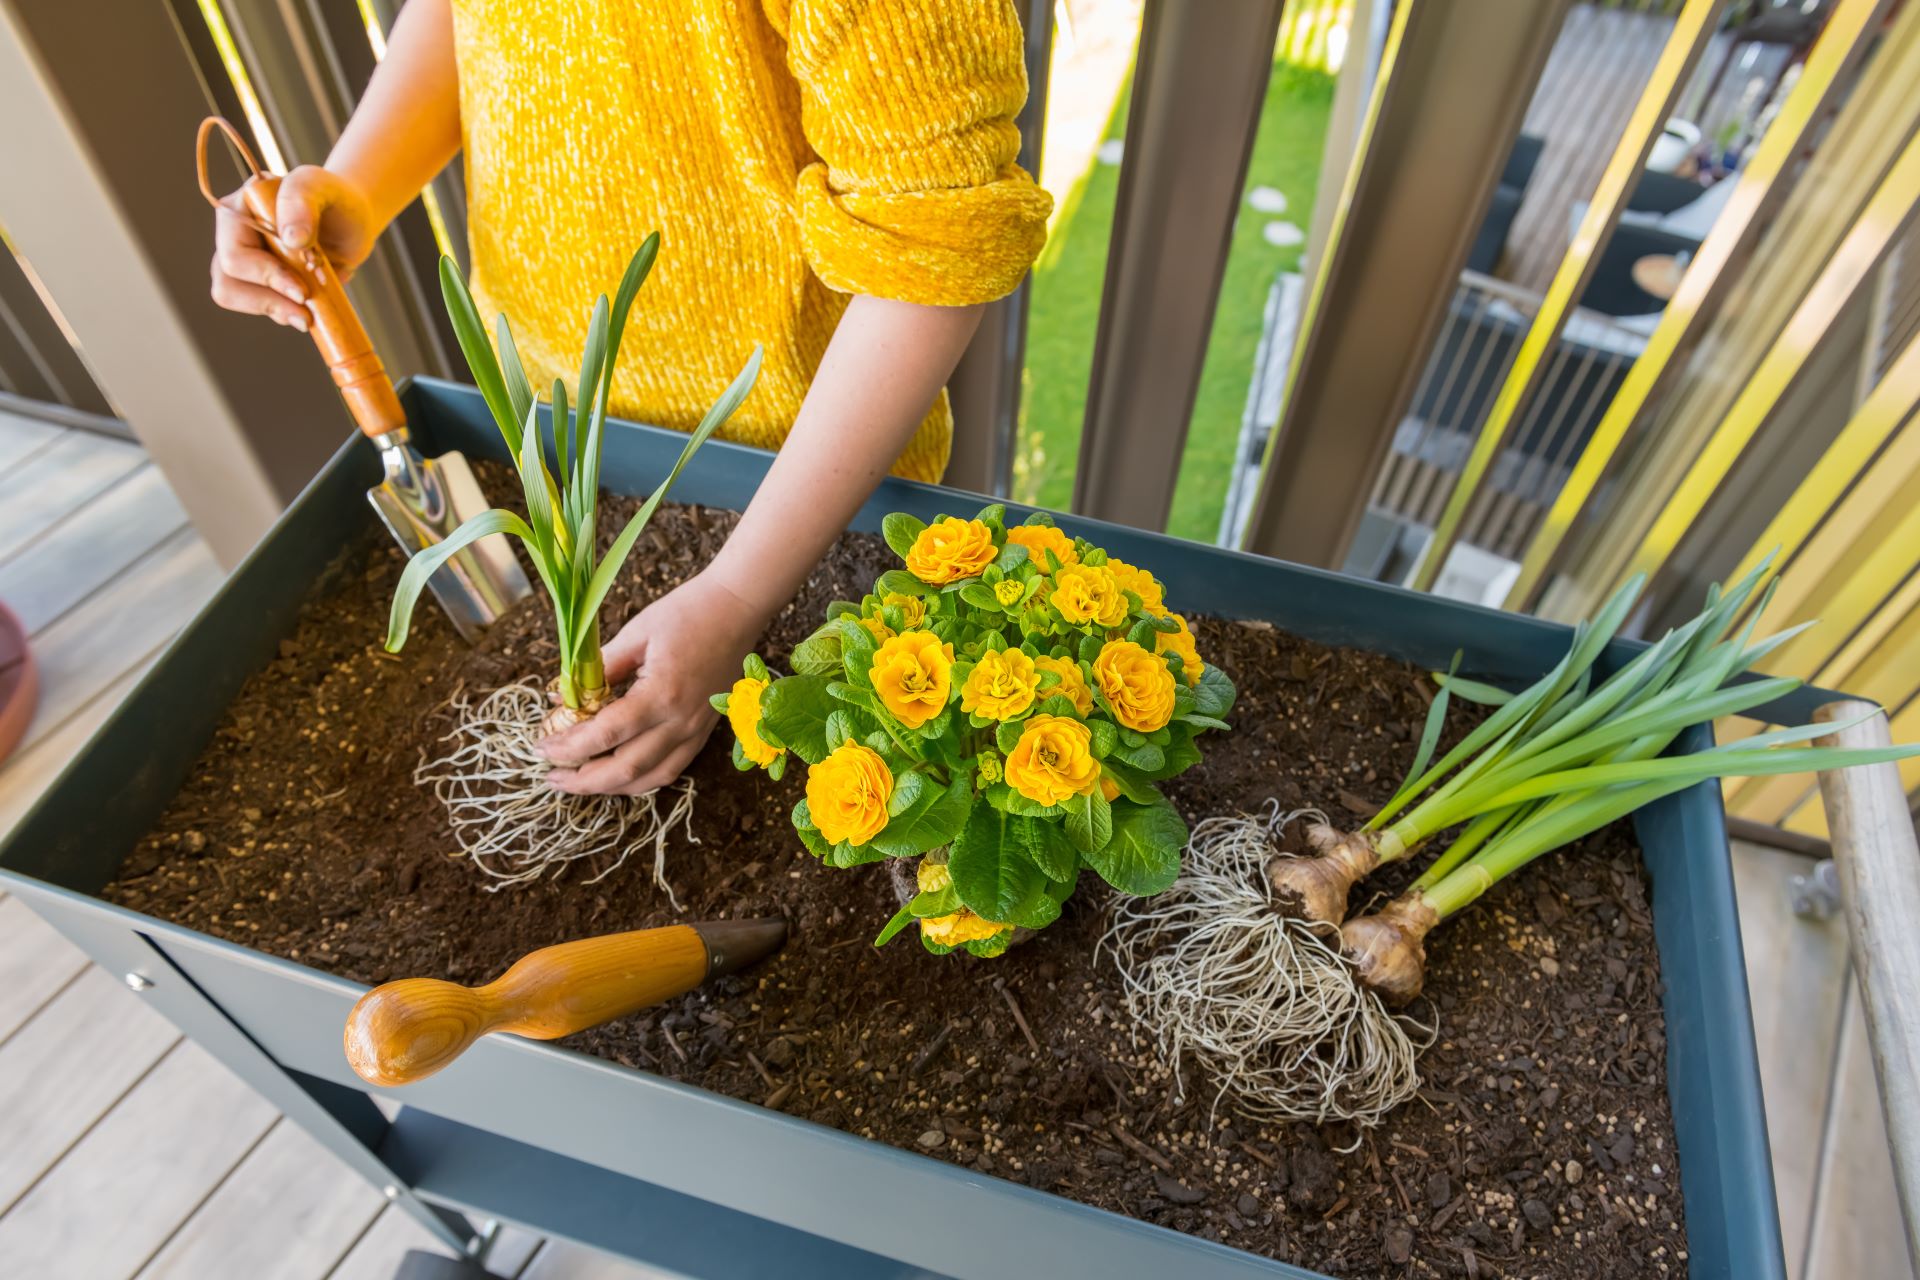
(407, 126)
(880, 374)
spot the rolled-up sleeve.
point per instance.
(910, 105)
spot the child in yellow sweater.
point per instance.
(834, 179)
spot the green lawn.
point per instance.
(1066, 308)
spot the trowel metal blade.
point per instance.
(421, 502)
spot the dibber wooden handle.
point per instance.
(331, 320)
(404, 1031)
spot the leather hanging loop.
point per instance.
(241, 150)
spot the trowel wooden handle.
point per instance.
(333, 323)
(407, 1030)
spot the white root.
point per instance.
(1266, 1004)
(512, 824)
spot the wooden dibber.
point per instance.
(404, 1031)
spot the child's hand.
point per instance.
(680, 650)
(315, 206)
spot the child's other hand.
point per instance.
(679, 650)
(316, 207)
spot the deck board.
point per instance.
(144, 1168)
(1855, 1233)
(36, 964)
(58, 479)
(289, 1211)
(65, 1068)
(89, 547)
(1796, 972)
(115, 629)
(28, 774)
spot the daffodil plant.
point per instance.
(563, 505)
(1001, 707)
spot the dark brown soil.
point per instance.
(1543, 1145)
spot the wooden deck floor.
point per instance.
(126, 1151)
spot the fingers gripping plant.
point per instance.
(1001, 708)
(507, 818)
(1250, 965)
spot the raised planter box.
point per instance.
(703, 1185)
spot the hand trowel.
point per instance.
(420, 500)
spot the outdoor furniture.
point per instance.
(1492, 238)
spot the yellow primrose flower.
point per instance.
(1039, 539)
(913, 674)
(989, 765)
(1009, 590)
(1141, 583)
(951, 549)
(913, 609)
(1001, 685)
(1053, 760)
(1137, 684)
(743, 713)
(1088, 594)
(847, 794)
(1180, 642)
(877, 627)
(957, 927)
(1073, 683)
(1109, 788)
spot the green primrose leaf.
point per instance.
(1143, 857)
(719, 702)
(1146, 757)
(932, 817)
(900, 530)
(934, 902)
(1105, 738)
(818, 654)
(1089, 821)
(1046, 843)
(900, 920)
(756, 667)
(1214, 695)
(991, 873)
(845, 855)
(840, 729)
(1134, 785)
(796, 708)
(988, 948)
(900, 582)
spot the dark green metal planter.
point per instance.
(707, 1186)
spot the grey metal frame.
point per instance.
(703, 1185)
(1199, 81)
(1430, 156)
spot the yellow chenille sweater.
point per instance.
(790, 152)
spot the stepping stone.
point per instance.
(1267, 200)
(1283, 234)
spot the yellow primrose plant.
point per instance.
(1000, 708)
